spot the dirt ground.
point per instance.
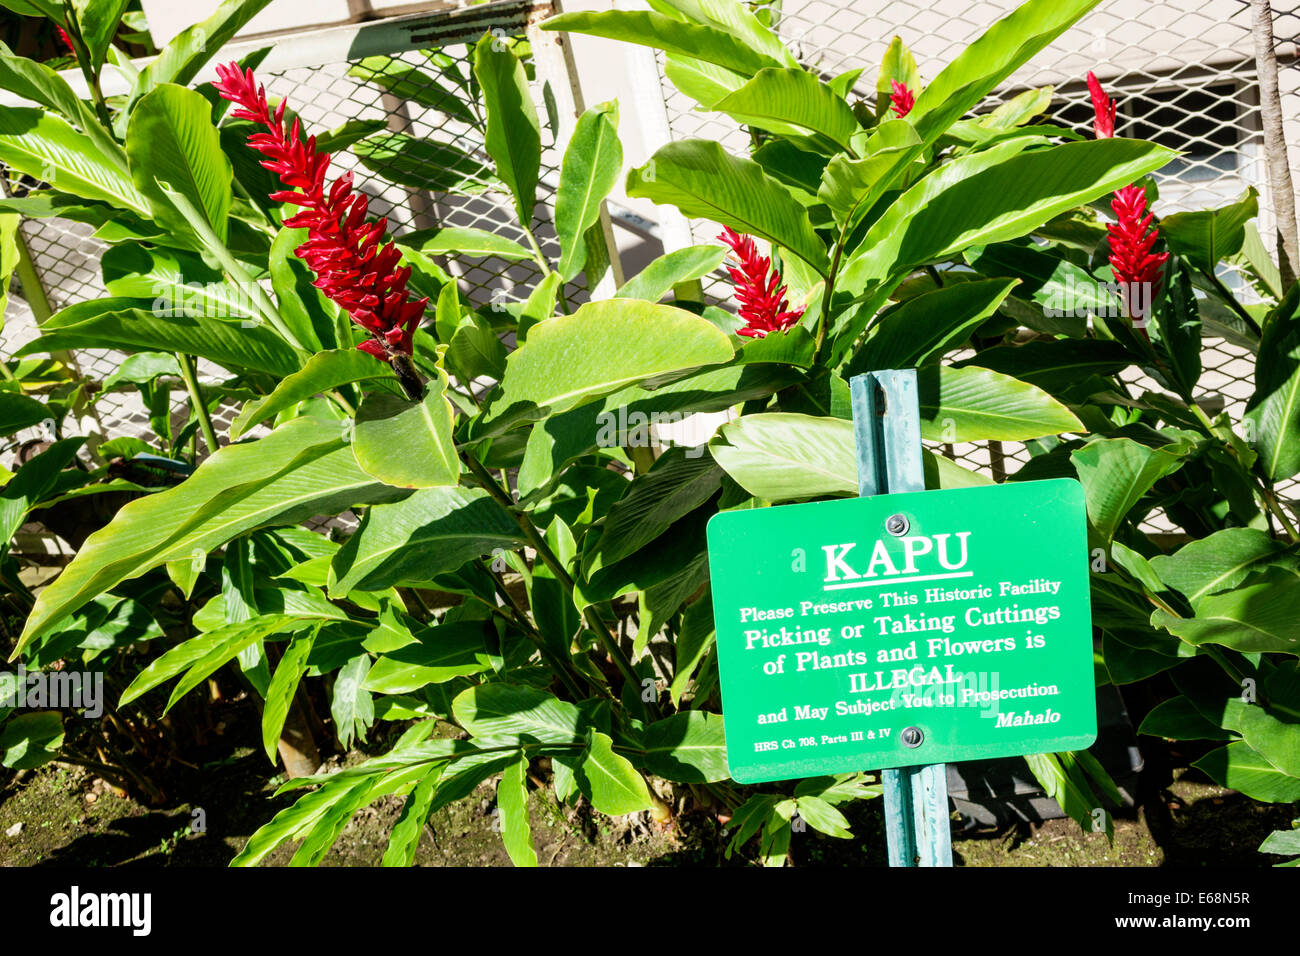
(62, 815)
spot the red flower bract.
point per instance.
(1136, 269)
(758, 289)
(901, 99)
(342, 247)
(1103, 108)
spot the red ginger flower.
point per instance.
(758, 288)
(1103, 108)
(1136, 269)
(342, 248)
(901, 99)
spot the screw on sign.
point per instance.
(924, 626)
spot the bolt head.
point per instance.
(912, 736)
(896, 524)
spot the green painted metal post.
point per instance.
(887, 432)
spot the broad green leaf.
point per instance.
(176, 281)
(694, 640)
(187, 52)
(1255, 616)
(1205, 237)
(604, 346)
(1274, 410)
(1218, 562)
(978, 199)
(1063, 781)
(171, 143)
(898, 64)
(17, 412)
(513, 136)
(407, 444)
(610, 781)
(284, 684)
(654, 281)
(38, 83)
(440, 654)
(463, 241)
(351, 706)
(1020, 109)
(323, 371)
(780, 456)
(433, 531)
(516, 711)
(850, 187)
(353, 131)
(304, 309)
(733, 16)
(688, 747)
(512, 804)
(474, 349)
(927, 326)
(1178, 719)
(592, 163)
(300, 470)
(823, 817)
(47, 148)
(31, 483)
(1238, 767)
(31, 739)
(405, 836)
(1056, 365)
(1116, 473)
(675, 485)
(704, 181)
(236, 637)
(793, 102)
(975, 404)
(693, 40)
(1282, 842)
(423, 164)
(98, 21)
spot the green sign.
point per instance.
(903, 629)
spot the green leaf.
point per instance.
(463, 241)
(927, 326)
(351, 706)
(603, 346)
(516, 711)
(322, 372)
(1274, 410)
(407, 444)
(654, 281)
(688, 747)
(851, 187)
(31, 740)
(704, 181)
(1116, 473)
(1255, 616)
(677, 483)
(975, 404)
(433, 531)
(118, 323)
(1238, 767)
(284, 684)
(610, 781)
(693, 40)
(474, 349)
(440, 654)
(512, 804)
(32, 482)
(405, 836)
(98, 21)
(171, 141)
(992, 196)
(304, 309)
(823, 817)
(513, 136)
(898, 64)
(1281, 842)
(779, 456)
(187, 52)
(45, 147)
(17, 412)
(1218, 562)
(234, 639)
(793, 102)
(1206, 237)
(1178, 719)
(592, 163)
(423, 164)
(38, 83)
(694, 640)
(300, 470)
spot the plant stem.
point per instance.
(196, 400)
(557, 568)
(827, 292)
(537, 251)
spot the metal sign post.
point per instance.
(887, 432)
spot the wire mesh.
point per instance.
(1182, 72)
